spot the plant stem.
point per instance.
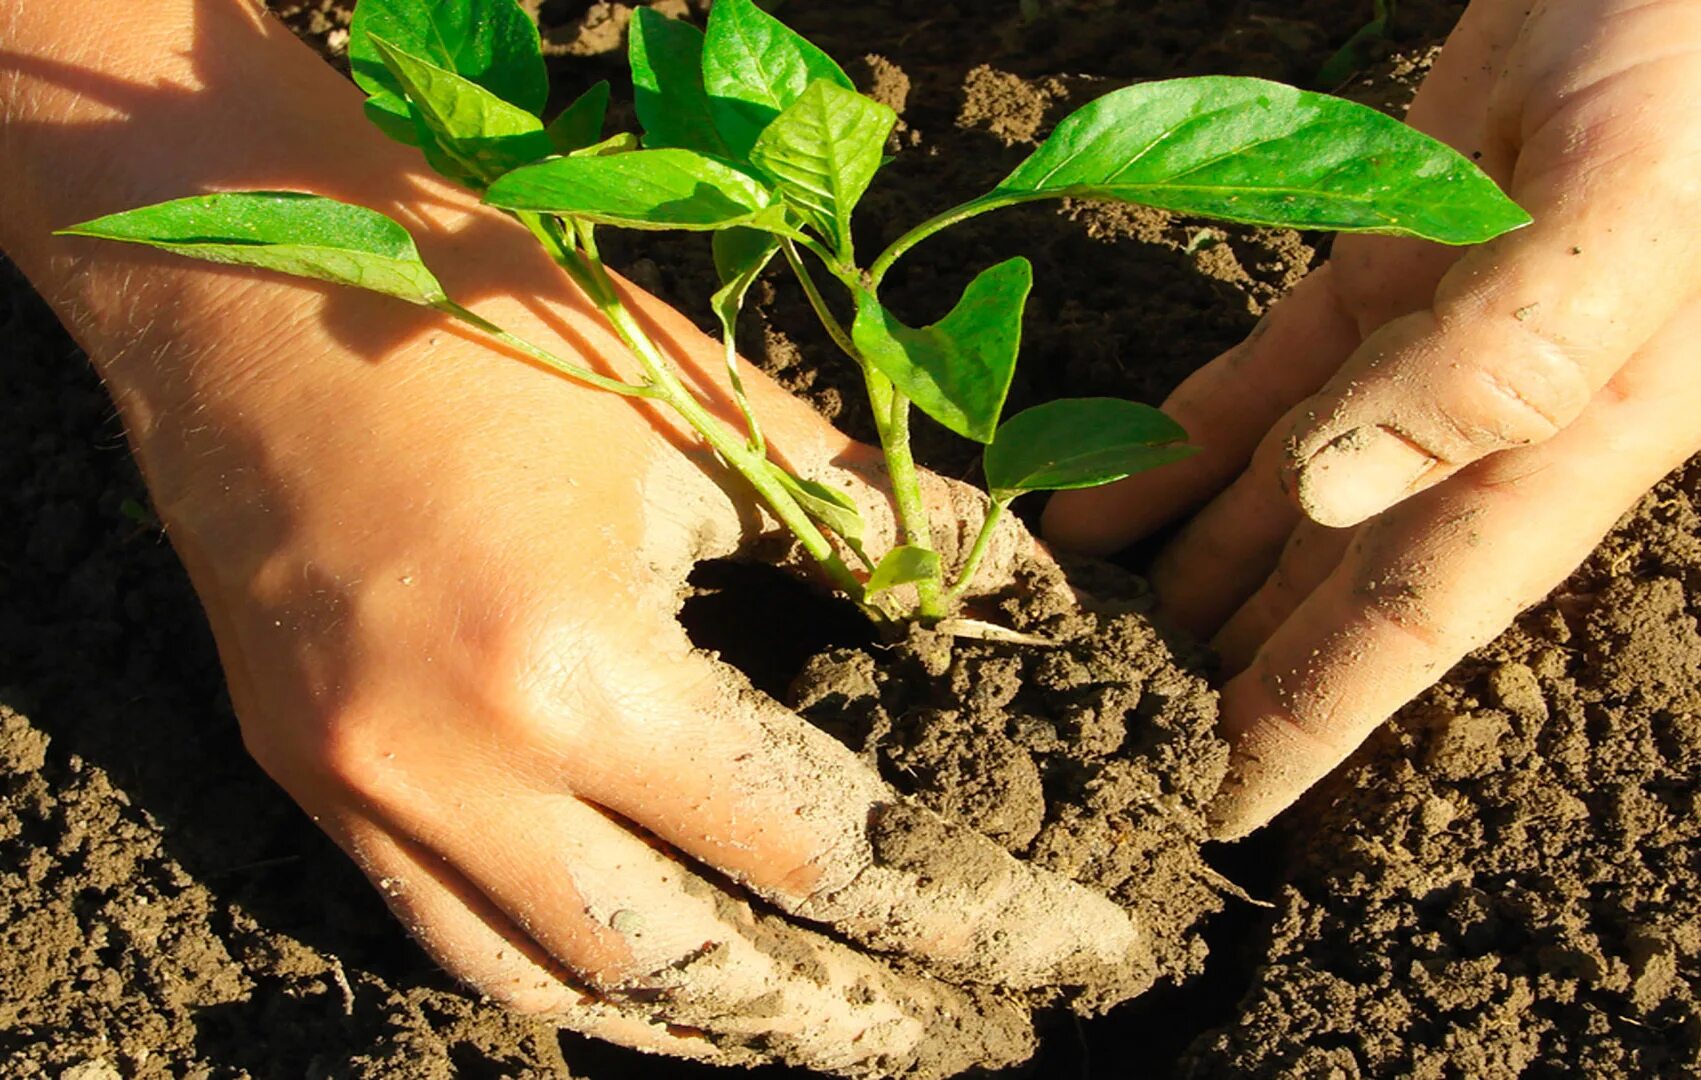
(808, 243)
(892, 420)
(982, 540)
(729, 350)
(829, 321)
(543, 356)
(587, 270)
(938, 223)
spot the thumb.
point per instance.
(1524, 331)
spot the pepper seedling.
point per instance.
(753, 134)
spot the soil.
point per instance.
(1092, 756)
(1497, 885)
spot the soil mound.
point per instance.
(1093, 756)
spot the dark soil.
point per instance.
(1499, 884)
(1093, 757)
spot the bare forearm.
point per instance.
(212, 95)
(180, 97)
(104, 104)
(146, 109)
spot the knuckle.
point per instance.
(536, 680)
(573, 680)
(1395, 608)
(1393, 601)
(352, 748)
(1521, 389)
(1542, 387)
(533, 995)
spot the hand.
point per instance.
(1420, 442)
(444, 589)
(444, 586)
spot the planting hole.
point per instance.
(765, 622)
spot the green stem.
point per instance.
(820, 250)
(978, 552)
(829, 321)
(587, 270)
(892, 420)
(752, 426)
(543, 356)
(938, 223)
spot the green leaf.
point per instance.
(391, 114)
(740, 257)
(1079, 443)
(958, 370)
(305, 235)
(903, 565)
(645, 189)
(822, 151)
(482, 135)
(580, 124)
(667, 84)
(828, 505)
(754, 67)
(1262, 153)
(493, 43)
(620, 143)
(742, 252)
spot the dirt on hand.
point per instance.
(1499, 883)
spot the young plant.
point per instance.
(753, 134)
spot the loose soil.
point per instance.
(1092, 756)
(1499, 884)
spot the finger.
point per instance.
(661, 943)
(1312, 552)
(1229, 403)
(1524, 330)
(1443, 573)
(1224, 407)
(1227, 549)
(1368, 280)
(686, 749)
(682, 746)
(466, 934)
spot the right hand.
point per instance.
(1420, 442)
(444, 586)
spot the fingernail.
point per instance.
(1358, 475)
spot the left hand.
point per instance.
(1421, 442)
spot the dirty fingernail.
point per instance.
(1358, 475)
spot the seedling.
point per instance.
(753, 134)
